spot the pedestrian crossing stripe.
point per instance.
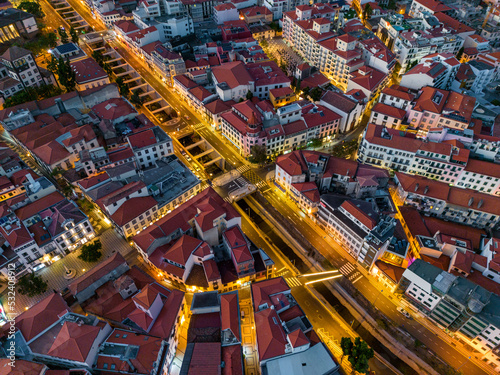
(293, 282)
(198, 125)
(227, 199)
(346, 269)
(354, 275)
(243, 168)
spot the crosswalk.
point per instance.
(349, 271)
(243, 168)
(198, 126)
(228, 199)
(262, 184)
(293, 282)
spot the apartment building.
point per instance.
(456, 304)
(287, 128)
(173, 248)
(437, 70)
(447, 161)
(150, 145)
(21, 66)
(438, 199)
(413, 45)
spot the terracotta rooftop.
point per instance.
(230, 314)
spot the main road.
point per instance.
(304, 225)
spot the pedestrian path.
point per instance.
(349, 271)
(198, 126)
(293, 282)
(243, 168)
(262, 184)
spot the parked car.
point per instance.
(403, 312)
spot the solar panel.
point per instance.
(66, 48)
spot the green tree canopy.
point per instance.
(31, 285)
(64, 35)
(367, 12)
(67, 76)
(316, 94)
(258, 154)
(359, 353)
(31, 7)
(91, 252)
(74, 35)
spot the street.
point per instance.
(318, 239)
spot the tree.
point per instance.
(391, 5)
(346, 345)
(91, 252)
(31, 7)
(122, 87)
(411, 65)
(98, 57)
(107, 68)
(264, 43)
(32, 93)
(367, 12)
(136, 99)
(259, 154)
(460, 53)
(297, 86)
(52, 65)
(315, 94)
(249, 95)
(74, 35)
(358, 353)
(315, 143)
(31, 285)
(64, 35)
(305, 91)
(67, 76)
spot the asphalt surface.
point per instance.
(322, 243)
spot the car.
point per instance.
(188, 158)
(403, 312)
(183, 152)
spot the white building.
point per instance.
(436, 70)
(225, 12)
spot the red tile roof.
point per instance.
(292, 163)
(74, 341)
(399, 92)
(205, 359)
(178, 219)
(262, 291)
(297, 338)
(393, 272)
(21, 367)
(230, 314)
(211, 270)
(271, 337)
(113, 109)
(142, 139)
(368, 78)
(132, 208)
(96, 273)
(357, 212)
(41, 316)
(238, 244)
(121, 193)
(233, 359)
(234, 74)
(88, 70)
(89, 182)
(166, 320)
(39, 205)
(433, 5)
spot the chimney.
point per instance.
(426, 189)
(416, 186)
(471, 200)
(60, 105)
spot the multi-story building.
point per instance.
(456, 304)
(89, 74)
(225, 12)
(281, 341)
(21, 66)
(171, 248)
(447, 161)
(169, 18)
(437, 70)
(412, 45)
(439, 199)
(436, 108)
(419, 7)
(16, 23)
(289, 127)
(150, 145)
